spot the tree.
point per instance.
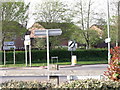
(67, 31)
(11, 30)
(83, 12)
(14, 11)
(52, 11)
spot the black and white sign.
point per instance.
(72, 45)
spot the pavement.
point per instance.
(64, 70)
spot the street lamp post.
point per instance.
(108, 30)
(118, 39)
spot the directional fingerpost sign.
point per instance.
(9, 45)
(51, 32)
(72, 45)
(47, 33)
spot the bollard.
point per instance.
(74, 60)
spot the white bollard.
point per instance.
(74, 60)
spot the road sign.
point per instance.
(9, 47)
(51, 32)
(107, 40)
(27, 42)
(11, 43)
(47, 33)
(27, 37)
(72, 45)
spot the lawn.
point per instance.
(60, 63)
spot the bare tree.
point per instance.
(84, 14)
(52, 11)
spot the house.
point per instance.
(19, 43)
(36, 26)
(99, 29)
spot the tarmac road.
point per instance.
(30, 78)
(40, 74)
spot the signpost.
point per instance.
(47, 33)
(9, 46)
(72, 45)
(27, 43)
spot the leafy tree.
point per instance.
(84, 13)
(14, 11)
(11, 30)
(67, 31)
(52, 11)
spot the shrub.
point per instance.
(89, 84)
(39, 56)
(114, 65)
(26, 84)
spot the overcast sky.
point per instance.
(99, 5)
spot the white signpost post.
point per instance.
(9, 46)
(27, 42)
(47, 33)
(72, 45)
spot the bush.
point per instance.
(89, 84)
(114, 65)
(39, 56)
(26, 84)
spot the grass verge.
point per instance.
(60, 63)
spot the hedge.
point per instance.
(39, 56)
(89, 84)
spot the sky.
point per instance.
(99, 5)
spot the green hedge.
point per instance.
(87, 84)
(90, 84)
(39, 56)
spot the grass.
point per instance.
(60, 63)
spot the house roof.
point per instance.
(36, 26)
(98, 29)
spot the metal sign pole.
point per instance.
(26, 54)
(14, 55)
(71, 53)
(4, 57)
(47, 49)
(30, 55)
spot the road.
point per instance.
(30, 78)
(40, 74)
